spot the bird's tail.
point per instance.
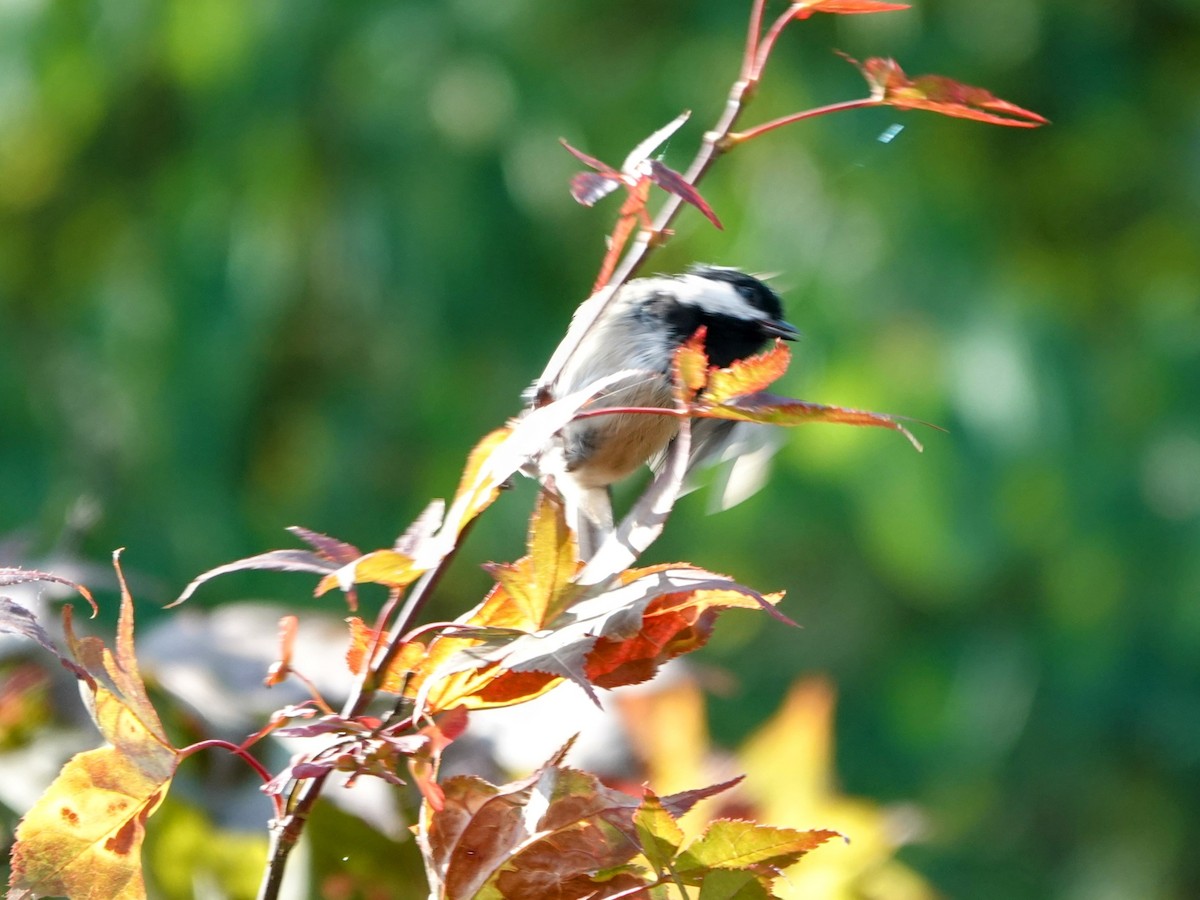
(589, 514)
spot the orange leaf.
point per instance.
(287, 642)
(83, 837)
(936, 93)
(617, 614)
(673, 624)
(364, 638)
(747, 376)
(691, 364)
(423, 766)
(845, 7)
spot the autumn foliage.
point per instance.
(549, 617)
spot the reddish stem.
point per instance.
(767, 44)
(740, 137)
(239, 752)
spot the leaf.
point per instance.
(13, 575)
(540, 584)
(611, 638)
(674, 183)
(673, 624)
(385, 567)
(590, 187)
(422, 529)
(747, 376)
(641, 153)
(736, 844)
(637, 173)
(273, 560)
(423, 765)
(394, 680)
(658, 833)
(83, 837)
(501, 455)
(16, 619)
(528, 595)
(845, 7)
(936, 93)
(733, 884)
(327, 547)
(690, 365)
(282, 667)
(544, 836)
(770, 409)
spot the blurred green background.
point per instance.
(270, 263)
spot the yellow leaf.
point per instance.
(83, 837)
(789, 775)
(540, 583)
(380, 567)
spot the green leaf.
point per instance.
(736, 844)
(658, 832)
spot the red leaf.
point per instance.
(674, 183)
(591, 161)
(328, 547)
(936, 93)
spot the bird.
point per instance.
(638, 331)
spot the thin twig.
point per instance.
(286, 830)
(767, 44)
(232, 748)
(734, 138)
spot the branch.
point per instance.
(286, 829)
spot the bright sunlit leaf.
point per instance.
(747, 376)
(659, 833)
(808, 7)
(386, 567)
(672, 624)
(735, 844)
(529, 593)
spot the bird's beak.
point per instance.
(781, 329)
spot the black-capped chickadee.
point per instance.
(640, 329)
